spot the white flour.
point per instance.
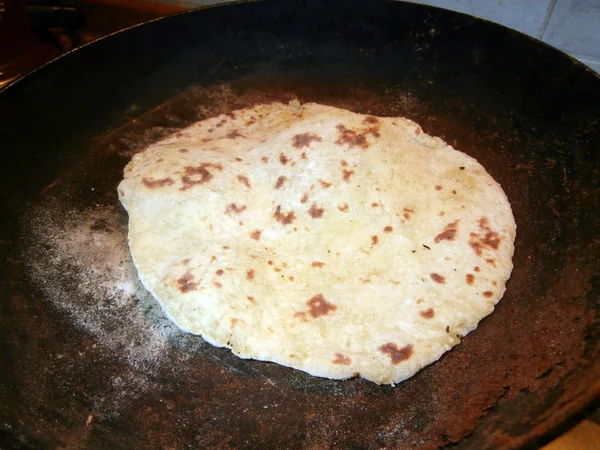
(82, 263)
(80, 260)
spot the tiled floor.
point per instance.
(575, 28)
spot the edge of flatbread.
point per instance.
(336, 243)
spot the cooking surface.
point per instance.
(91, 362)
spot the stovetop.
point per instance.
(37, 31)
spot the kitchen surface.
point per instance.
(570, 25)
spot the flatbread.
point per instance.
(323, 240)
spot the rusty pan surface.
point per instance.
(87, 360)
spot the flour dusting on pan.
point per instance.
(81, 263)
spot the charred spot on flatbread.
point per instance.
(396, 354)
(304, 140)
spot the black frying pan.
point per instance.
(527, 112)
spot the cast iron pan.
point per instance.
(87, 360)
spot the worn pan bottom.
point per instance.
(88, 359)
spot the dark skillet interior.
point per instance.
(527, 112)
